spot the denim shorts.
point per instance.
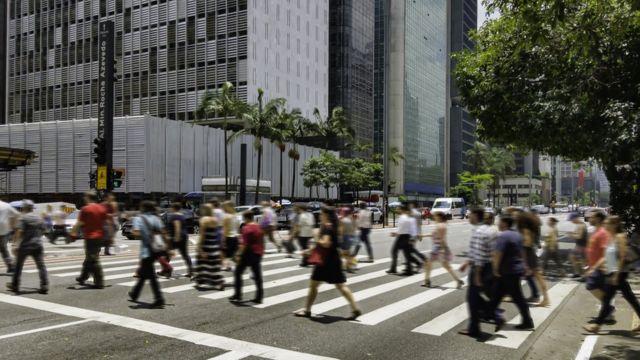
(347, 242)
(595, 281)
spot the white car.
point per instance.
(71, 220)
(541, 209)
(377, 214)
(255, 209)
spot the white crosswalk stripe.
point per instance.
(374, 291)
(514, 338)
(382, 297)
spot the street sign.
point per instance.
(101, 183)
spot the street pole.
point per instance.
(105, 98)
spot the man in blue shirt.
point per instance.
(145, 227)
(508, 268)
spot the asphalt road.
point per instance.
(401, 319)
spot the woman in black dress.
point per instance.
(331, 269)
(178, 234)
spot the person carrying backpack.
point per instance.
(149, 229)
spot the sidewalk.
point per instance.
(564, 338)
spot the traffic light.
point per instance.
(92, 180)
(117, 177)
(100, 151)
(115, 70)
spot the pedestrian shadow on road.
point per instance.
(141, 305)
(85, 287)
(327, 319)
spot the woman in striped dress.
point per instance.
(207, 274)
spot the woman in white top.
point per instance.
(440, 251)
(617, 273)
(230, 232)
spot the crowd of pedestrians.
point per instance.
(500, 257)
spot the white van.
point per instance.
(450, 207)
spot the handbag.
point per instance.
(157, 243)
(317, 256)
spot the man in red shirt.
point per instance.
(249, 255)
(595, 251)
(92, 220)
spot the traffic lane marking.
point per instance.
(194, 337)
(587, 347)
(46, 328)
(231, 355)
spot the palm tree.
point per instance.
(395, 156)
(259, 120)
(281, 133)
(499, 163)
(336, 125)
(298, 127)
(476, 157)
(224, 104)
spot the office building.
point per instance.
(4, 6)
(414, 95)
(379, 54)
(169, 53)
(351, 42)
(464, 19)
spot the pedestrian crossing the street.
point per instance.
(384, 298)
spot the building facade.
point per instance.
(351, 51)
(169, 53)
(159, 156)
(464, 19)
(416, 96)
(381, 39)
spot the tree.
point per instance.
(259, 120)
(561, 77)
(298, 127)
(224, 104)
(499, 162)
(395, 156)
(475, 182)
(313, 173)
(476, 157)
(282, 131)
(334, 127)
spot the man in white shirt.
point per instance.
(407, 230)
(8, 219)
(364, 224)
(303, 230)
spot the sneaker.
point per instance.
(44, 290)
(80, 281)
(132, 297)
(235, 299)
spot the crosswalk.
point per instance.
(384, 298)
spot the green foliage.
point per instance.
(469, 185)
(335, 126)
(561, 77)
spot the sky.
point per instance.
(482, 13)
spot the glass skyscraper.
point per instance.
(415, 93)
(351, 41)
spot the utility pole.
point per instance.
(104, 140)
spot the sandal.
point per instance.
(302, 313)
(426, 284)
(592, 328)
(354, 315)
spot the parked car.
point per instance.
(191, 220)
(255, 209)
(541, 209)
(71, 220)
(285, 216)
(377, 214)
